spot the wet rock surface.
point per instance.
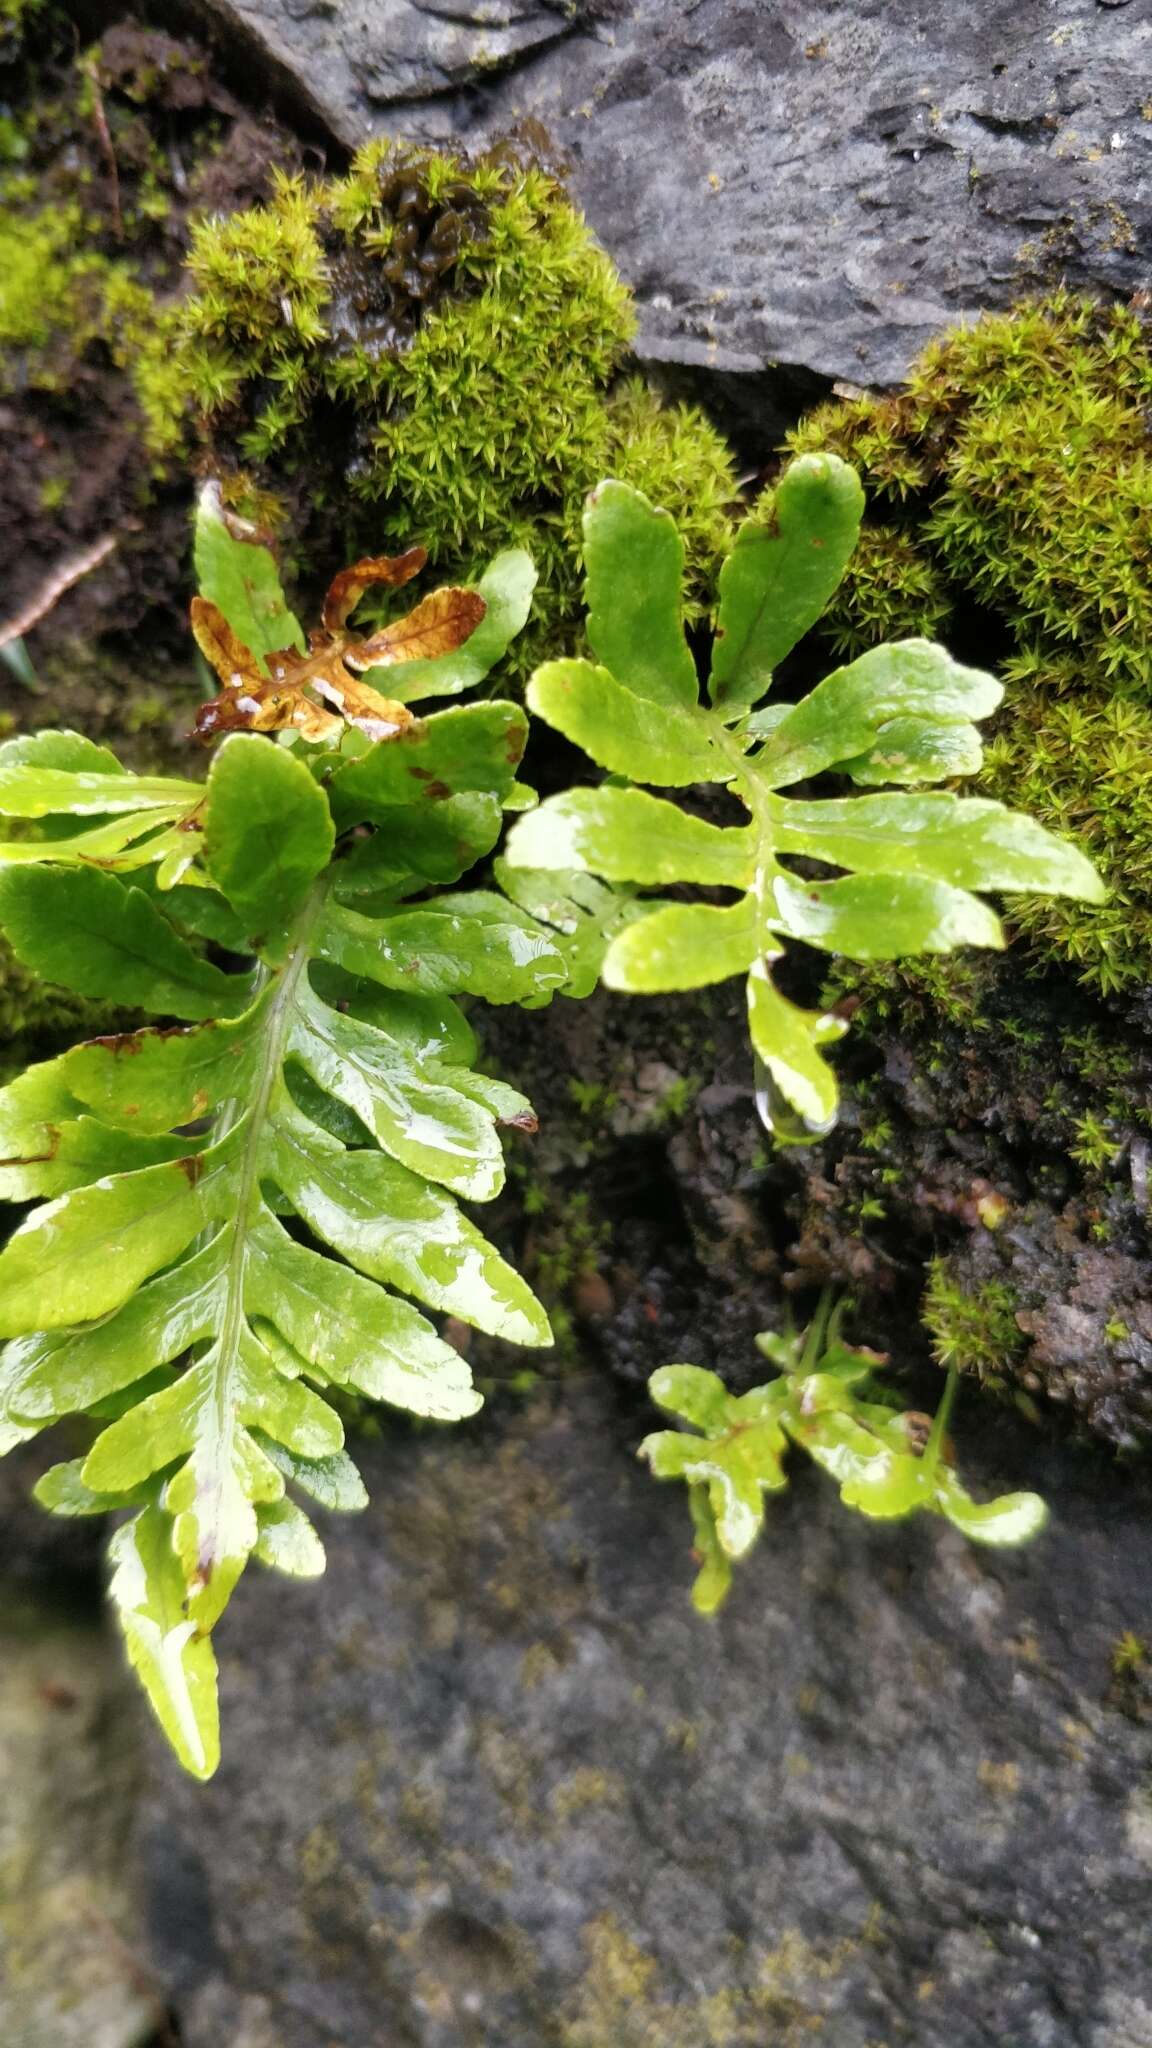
(494, 1783)
(73, 1972)
(823, 188)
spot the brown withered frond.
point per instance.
(317, 693)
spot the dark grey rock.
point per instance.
(821, 188)
(72, 1970)
(493, 1784)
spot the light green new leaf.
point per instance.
(347, 1330)
(737, 1457)
(413, 1104)
(783, 568)
(1012, 1518)
(633, 570)
(683, 945)
(629, 836)
(287, 1542)
(88, 932)
(268, 833)
(173, 1660)
(821, 1401)
(61, 775)
(506, 587)
(62, 1491)
(136, 840)
(882, 917)
(697, 1396)
(86, 1253)
(967, 841)
(788, 1040)
(845, 715)
(627, 734)
(169, 1303)
(334, 1482)
(713, 1581)
(241, 578)
(58, 747)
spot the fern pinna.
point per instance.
(239, 1210)
(870, 876)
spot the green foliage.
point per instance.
(62, 299)
(238, 1212)
(427, 348)
(825, 1400)
(975, 1331)
(907, 862)
(1014, 472)
(1083, 763)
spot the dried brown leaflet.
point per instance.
(317, 693)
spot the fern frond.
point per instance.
(239, 1213)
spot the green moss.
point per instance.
(61, 298)
(1083, 765)
(16, 16)
(44, 272)
(896, 592)
(428, 349)
(1020, 452)
(1013, 475)
(976, 1331)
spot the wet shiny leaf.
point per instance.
(268, 832)
(634, 566)
(784, 566)
(625, 733)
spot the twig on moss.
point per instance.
(104, 133)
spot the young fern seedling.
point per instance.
(238, 1214)
(897, 869)
(825, 1400)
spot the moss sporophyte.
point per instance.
(238, 1211)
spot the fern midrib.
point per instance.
(758, 800)
(255, 1117)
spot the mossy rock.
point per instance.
(1011, 497)
(430, 349)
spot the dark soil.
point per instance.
(137, 130)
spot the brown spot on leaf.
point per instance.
(191, 1166)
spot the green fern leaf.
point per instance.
(909, 866)
(245, 1217)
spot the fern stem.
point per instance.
(253, 1118)
(935, 1449)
